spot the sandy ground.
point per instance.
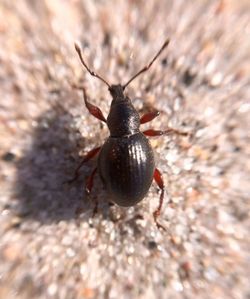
(51, 246)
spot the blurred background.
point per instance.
(50, 245)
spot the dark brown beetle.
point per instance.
(126, 161)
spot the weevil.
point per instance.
(126, 161)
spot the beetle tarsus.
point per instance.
(159, 181)
(156, 214)
(177, 132)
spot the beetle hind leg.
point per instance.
(91, 154)
(159, 181)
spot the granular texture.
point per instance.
(50, 245)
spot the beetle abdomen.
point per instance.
(126, 166)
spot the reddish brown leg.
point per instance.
(149, 116)
(94, 110)
(91, 154)
(89, 186)
(159, 181)
(152, 132)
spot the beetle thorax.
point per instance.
(123, 119)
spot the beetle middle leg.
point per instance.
(152, 132)
(91, 154)
(159, 181)
(149, 116)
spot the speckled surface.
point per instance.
(50, 245)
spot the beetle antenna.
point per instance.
(79, 52)
(148, 65)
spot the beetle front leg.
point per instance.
(152, 132)
(90, 155)
(94, 110)
(159, 181)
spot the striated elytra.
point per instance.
(126, 162)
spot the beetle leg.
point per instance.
(159, 181)
(152, 132)
(90, 180)
(91, 154)
(89, 186)
(94, 110)
(149, 116)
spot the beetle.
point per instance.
(126, 161)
